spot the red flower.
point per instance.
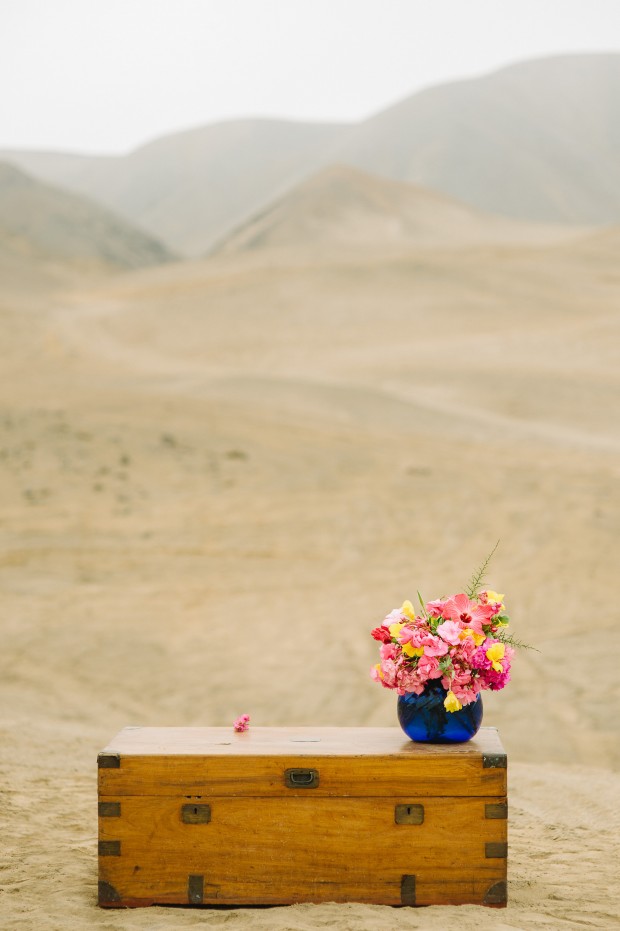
(381, 634)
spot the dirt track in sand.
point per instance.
(217, 477)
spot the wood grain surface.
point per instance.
(275, 741)
(350, 762)
(207, 816)
(283, 850)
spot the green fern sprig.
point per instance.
(511, 641)
(477, 578)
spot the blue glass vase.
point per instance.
(425, 720)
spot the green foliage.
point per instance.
(477, 578)
(511, 641)
(424, 612)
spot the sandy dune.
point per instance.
(215, 477)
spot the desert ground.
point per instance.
(217, 476)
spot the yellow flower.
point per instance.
(495, 653)
(494, 598)
(379, 670)
(451, 702)
(477, 638)
(408, 610)
(395, 629)
(410, 650)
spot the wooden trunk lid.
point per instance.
(324, 761)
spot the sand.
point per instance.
(216, 477)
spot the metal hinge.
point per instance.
(496, 810)
(407, 889)
(107, 894)
(109, 848)
(497, 894)
(496, 849)
(195, 889)
(109, 761)
(494, 761)
(109, 809)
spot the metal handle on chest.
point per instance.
(301, 778)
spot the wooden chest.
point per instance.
(193, 815)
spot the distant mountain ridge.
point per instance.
(537, 141)
(189, 188)
(40, 224)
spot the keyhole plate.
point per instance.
(409, 814)
(195, 814)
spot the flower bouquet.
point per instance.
(440, 659)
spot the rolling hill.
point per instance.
(42, 226)
(189, 188)
(537, 141)
(342, 208)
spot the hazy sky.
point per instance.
(107, 75)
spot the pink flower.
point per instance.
(428, 667)
(407, 635)
(470, 614)
(450, 631)
(388, 651)
(242, 723)
(435, 608)
(490, 679)
(394, 617)
(466, 694)
(433, 646)
(385, 672)
(464, 651)
(497, 680)
(410, 681)
(422, 637)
